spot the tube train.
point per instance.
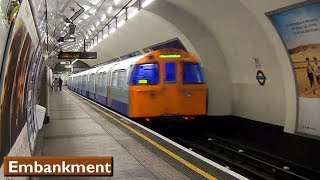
(162, 83)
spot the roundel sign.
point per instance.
(261, 77)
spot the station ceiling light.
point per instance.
(146, 3)
(133, 13)
(85, 16)
(112, 30)
(121, 23)
(95, 2)
(109, 9)
(86, 7)
(103, 17)
(116, 2)
(92, 11)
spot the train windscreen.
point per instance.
(145, 74)
(192, 73)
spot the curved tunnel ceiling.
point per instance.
(71, 22)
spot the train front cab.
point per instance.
(167, 84)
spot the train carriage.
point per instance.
(163, 83)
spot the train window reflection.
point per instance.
(147, 72)
(192, 73)
(115, 79)
(170, 72)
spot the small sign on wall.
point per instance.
(261, 78)
(257, 62)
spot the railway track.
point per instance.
(247, 161)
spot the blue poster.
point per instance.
(299, 28)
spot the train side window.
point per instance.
(121, 78)
(170, 72)
(114, 79)
(104, 79)
(145, 74)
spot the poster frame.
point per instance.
(268, 15)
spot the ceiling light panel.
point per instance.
(116, 2)
(92, 11)
(103, 17)
(86, 7)
(109, 9)
(95, 2)
(85, 16)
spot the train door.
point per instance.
(170, 90)
(109, 84)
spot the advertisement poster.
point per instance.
(299, 28)
(20, 49)
(30, 96)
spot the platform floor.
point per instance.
(77, 129)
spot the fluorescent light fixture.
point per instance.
(86, 7)
(97, 23)
(103, 17)
(92, 11)
(116, 2)
(121, 23)
(79, 21)
(74, 61)
(146, 3)
(95, 2)
(109, 9)
(85, 16)
(133, 13)
(112, 30)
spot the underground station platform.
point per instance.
(79, 127)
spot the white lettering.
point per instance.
(55, 167)
(24, 168)
(65, 168)
(90, 168)
(107, 168)
(11, 166)
(101, 168)
(37, 167)
(74, 166)
(47, 168)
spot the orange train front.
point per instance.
(167, 82)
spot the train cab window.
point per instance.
(114, 79)
(170, 72)
(145, 74)
(192, 73)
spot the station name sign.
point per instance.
(77, 55)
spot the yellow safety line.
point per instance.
(178, 158)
